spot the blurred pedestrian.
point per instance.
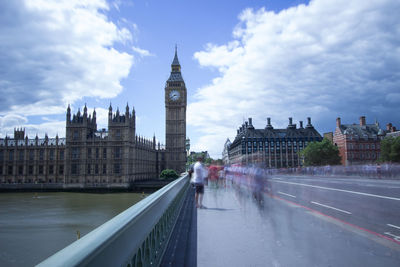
(199, 175)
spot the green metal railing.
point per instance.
(137, 237)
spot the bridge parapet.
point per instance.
(136, 237)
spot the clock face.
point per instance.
(174, 95)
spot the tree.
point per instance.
(390, 149)
(320, 154)
(168, 174)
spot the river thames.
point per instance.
(33, 226)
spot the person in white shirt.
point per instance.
(199, 175)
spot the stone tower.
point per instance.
(175, 116)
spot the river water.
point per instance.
(34, 226)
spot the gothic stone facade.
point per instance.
(88, 156)
(175, 118)
(269, 147)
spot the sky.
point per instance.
(250, 58)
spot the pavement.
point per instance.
(300, 222)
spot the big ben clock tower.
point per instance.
(175, 118)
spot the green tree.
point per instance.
(320, 154)
(168, 174)
(390, 149)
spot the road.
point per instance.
(373, 205)
(301, 221)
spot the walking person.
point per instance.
(199, 175)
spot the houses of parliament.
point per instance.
(116, 156)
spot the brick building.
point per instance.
(358, 143)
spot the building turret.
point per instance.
(127, 111)
(94, 115)
(68, 114)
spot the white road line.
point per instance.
(326, 206)
(341, 190)
(286, 194)
(395, 237)
(394, 226)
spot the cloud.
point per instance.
(323, 60)
(142, 52)
(51, 128)
(57, 52)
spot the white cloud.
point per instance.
(142, 52)
(56, 52)
(9, 122)
(321, 60)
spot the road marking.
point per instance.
(341, 190)
(395, 237)
(286, 194)
(326, 206)
(394, 226)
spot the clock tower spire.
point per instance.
(175, 117)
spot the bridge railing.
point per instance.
(136, 237)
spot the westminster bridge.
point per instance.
(251, 219)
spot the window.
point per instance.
(20, 170)
(367, 146)
(97, 153)
(41, 154)
(1, 170)
(75, 153)
(118, 134)
(11, 155)
(51, 155)
(75, 135)
(74, 169)
(272, 143)
(89, 153)
(104, 168)
(1, 155)
(117, 152)
(51, 169)
(88, 168)
(31, 155)
(10, 170)
(62, 155)
(117, 168)
(21, 155)
(249, 144)
(30, 169)
(96, 169)
(61, 169)
(372, 146)
(104, 153)
(40, 169)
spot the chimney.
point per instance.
(301, 124)
(362, 121)
(309, 125)
(389, 127)
(247, 124)
(250, 121)
(393, 129)
(290, 121)
(338, 122)
(269, 126)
